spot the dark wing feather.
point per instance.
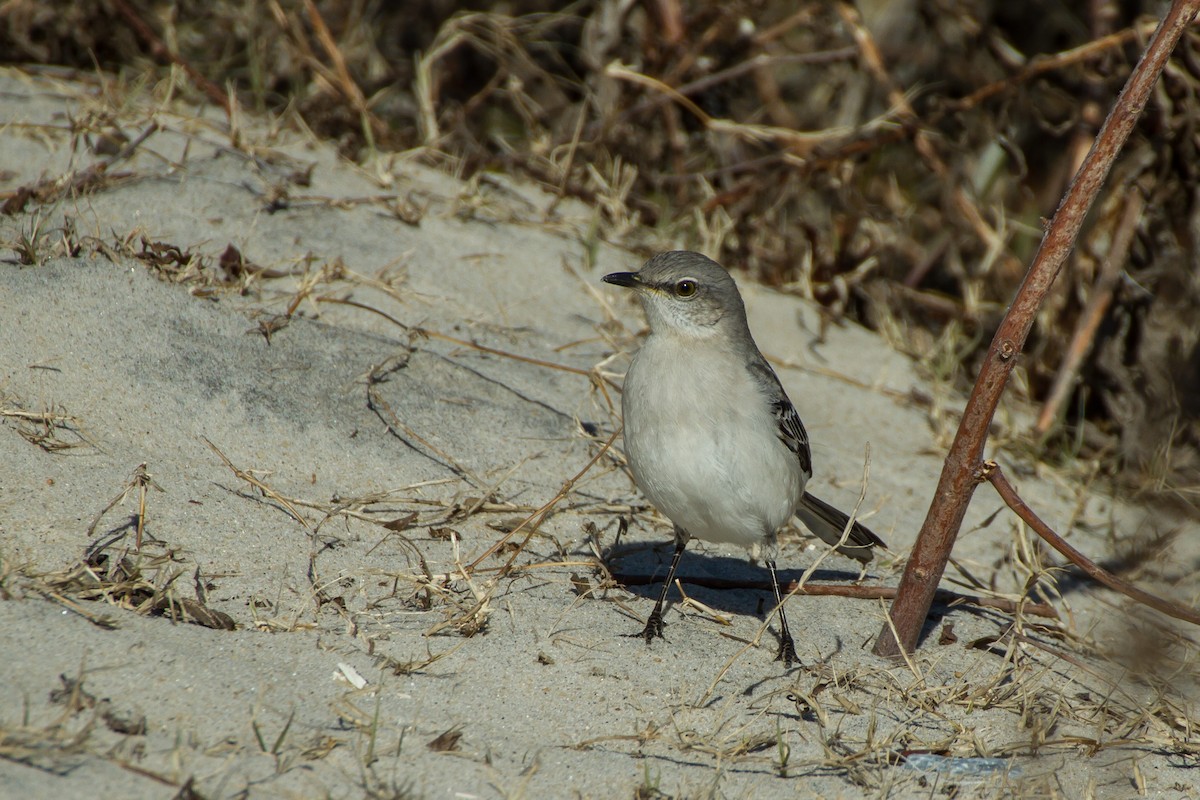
(787, 420)
(824, 520)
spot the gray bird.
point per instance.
(711, 437)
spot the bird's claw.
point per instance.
(787, 652)
(654, 628)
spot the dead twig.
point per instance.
(959, 473)
(535, 520)
(81, 182)
(922, 141)
(388, 414)
(432, 334)
(267, 491)
(143, 482)
(341, 81)
(164, 54)
(45, 428)
(752, 64)
(594, 374)
(992, 473)
(102, 621)
(798, 143)
(1042, 64)
(1097, 306)
(140, 480)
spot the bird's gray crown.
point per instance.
(685, 292)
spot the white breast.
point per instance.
(708, 459)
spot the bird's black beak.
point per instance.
(627, 279)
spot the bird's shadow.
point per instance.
(728, 583)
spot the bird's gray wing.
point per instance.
(824, 520)
(789, 428)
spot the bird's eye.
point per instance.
(686, 287)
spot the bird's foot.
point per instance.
(654, 627)
(787, 652)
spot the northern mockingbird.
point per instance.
(711, 437)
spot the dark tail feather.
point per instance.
(827, 524)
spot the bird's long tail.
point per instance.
(827, 523)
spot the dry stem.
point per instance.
(991, 472)
(1093, 315)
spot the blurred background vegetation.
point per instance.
(894, 160)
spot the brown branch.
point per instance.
(991, 472)
(343, 82)
(944, 596)
(165, 55)
(1039, 65)
(266, 491)
(1093, 314)
(959, 473)
(872, 60)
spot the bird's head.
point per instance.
(685, 294)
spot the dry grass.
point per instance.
(1058, 693)
(894, 169)
(147, 582)
(1017, 713)
(51, 429)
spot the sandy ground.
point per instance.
(331, 484)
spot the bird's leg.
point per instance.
(654, 624)
(787, 646)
